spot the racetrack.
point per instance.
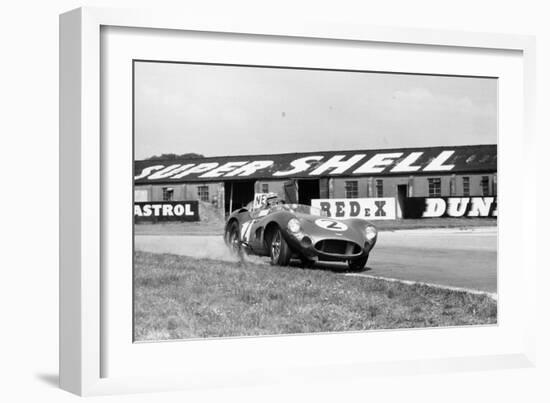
(455, 258)
(447, 257)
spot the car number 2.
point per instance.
(331, 225)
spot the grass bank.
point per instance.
(182, 297)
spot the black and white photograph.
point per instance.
(301, 201)
(273, 200)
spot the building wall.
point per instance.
(475, 184)
(339, 187)
(420, 185)
(366, 187)
(275, 186)
(185, 191)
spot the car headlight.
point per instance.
(294, 225)
(370, 232)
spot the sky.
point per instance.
(233, 110)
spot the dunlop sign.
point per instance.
(378, 208)
(166, 211)
(429, 207)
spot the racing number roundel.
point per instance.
(331, 224)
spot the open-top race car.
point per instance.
(283, 231)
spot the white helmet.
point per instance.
(272, 199)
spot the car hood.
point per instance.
(319, 228)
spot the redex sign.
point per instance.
(379, 208)
(430, 207)
(166, 211)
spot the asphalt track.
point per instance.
(451, 258)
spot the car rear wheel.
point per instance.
(279, 250)
(233, 240)
(358, 264)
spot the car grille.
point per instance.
(338, 247)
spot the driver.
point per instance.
(272, 200)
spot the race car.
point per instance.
(283, 231)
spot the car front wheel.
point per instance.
(306, 263)
(358, 264)
(279, 250)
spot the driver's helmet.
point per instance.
(272, 199)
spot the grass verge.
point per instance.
(180, 297)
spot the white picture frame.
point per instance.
(83, 169)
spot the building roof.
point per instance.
(350, 163)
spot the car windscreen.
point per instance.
(302, 208)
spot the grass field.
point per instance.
(216, 228)
(181, 297)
